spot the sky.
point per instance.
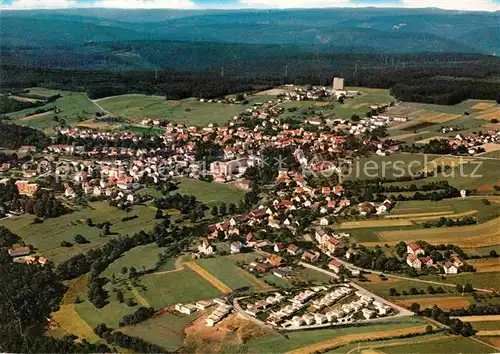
(466, 5)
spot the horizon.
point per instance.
(206, 5)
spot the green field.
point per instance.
(225, 269)
(391, 166)
(162, 290)
(74, 107)
(477, 280)
(279, 344)
(448, 345)
(210, 193)
(486, 325)
(166, 330)
(47, 237)
(141, 257)
(188, 111)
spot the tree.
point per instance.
(124, 270)
(468, 288)
(214, 211)
(493, 253)
(80, 239)
(355, 118)
(119, 295)
(159, 214)
(222, 209)
(132, 273)
(232, 209)
(428, 329)
(415, 307)
(240, 97)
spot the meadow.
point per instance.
(449, 345)
(47, 237)
(208, 192)
(277, 343)
(74, 107)
(188, 111)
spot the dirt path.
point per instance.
(209, 277)
(343, 340)
(139, 297)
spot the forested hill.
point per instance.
(430, 78)
(387, 30)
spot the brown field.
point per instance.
(35, 116)
(491, 125)
(321, 103)
(489, 147)
(426, 141)
(95, 125)
(24, 99)
(486, 265)
(488, 333)
(483, 105)
(209, 277)
(439, 117)
(445, 303)
(458, 215)
(271, 92)
(479, 318)
(416, 215)
(486, 234)
(343, 340)
(375, 223)
(490, 114)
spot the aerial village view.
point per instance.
(260, 217)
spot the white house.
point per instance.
(450, 268)
(236, 247)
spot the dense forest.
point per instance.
(433, 78)
(29, 294)
(14, 136)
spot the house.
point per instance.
(413, 261)
(250, 240)
(384, 207)
(279, 247)
(450, 268)
(323, 221)
(19, 251)
(335, 265)
(205, 247)
(236, 247)
(368, 313)
(415, 249)
(310, 256)
(427, 261)
(366, 208)
(275, 260)
(349, 253)
(293, 250)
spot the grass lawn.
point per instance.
(279, 344)
(382, 343)
(166, 330)
(210, 193)
(74, 107)
(141, 257)
(188, 111)
(386, 166)
(225, 269)
(447, 345)
(382, 288)
(477, 280)
(47, 237)
(162, 290)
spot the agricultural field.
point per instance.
(226, 270)
(74, 107)
(167, 289)
(141, 258)
(395, 165)
(444, 302)
(486, 265)
(471, 236)
(451, 344)
(277, 343)
(188, 111)
(208, 192)
(47, 237)
(485, 280)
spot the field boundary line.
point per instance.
(387, 345)
(478, 318)
(209, 277)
